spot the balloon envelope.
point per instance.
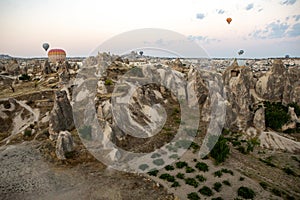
(241, 52)
(228, 20)
(46, 46)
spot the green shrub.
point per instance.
(217, 198)
(108, 82)
(169, 167)
(158, 162)
(276, 192)
(24, 77)
(153, 172)
(191, 132)
(206, 191)
(194, 146)
(246, 192)
(193, 196)
(276, 115)
(155, 155)
(227, 171)
(217, 186)
(143, 167)
(264, 185)
(189, 169)
(201, 166)
(200, 178)
(85, 132)
(236, 143)
(289, 171)
(180, 176)
(173, 156)
(296, 108)
(167, 177)
(185, 144)
(181, 164)
(27, 132)
(242, 178)
(175, 184)
(192, 182)
(220, 151)
(242, 149)
(226, 182)
(218, 173)
(267, 162)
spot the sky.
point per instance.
(262, 28)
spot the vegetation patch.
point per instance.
(192, 182)
(246, 192)
(206, 191)
(169, 168)
(267, 162)
(217, 186)
(181, 164)
(193, 196)
(289, 171)
(143, 167)
(220, 151)
(153, 172)
(175, 184)
(276, 115)
(264, 185)
(201, 166)
(180, 176)
(218, 173)
(86, 132)
(167, 177)
(226, 182)
(200, 178)
(158, 162)
(189, 169)
(227, 171)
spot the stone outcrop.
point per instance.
(259, 119)
(292, 86)
(61, 116)
(47, 68)
(271, 86)
(64, 144)
(13, 68)
(238, 82)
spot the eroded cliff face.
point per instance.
(238, 82)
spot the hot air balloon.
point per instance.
(228, 20)
(241, 52)
(56, 55)
(46, 46)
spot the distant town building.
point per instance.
(56, 55)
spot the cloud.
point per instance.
(249, 6)
(295, 30)
(200, 16)
(204, 39)
(297, 17)
(273, 30)
(288, 2)
(220, 11)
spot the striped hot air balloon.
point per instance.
(56, 55)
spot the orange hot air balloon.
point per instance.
(56, 55)
(228, 20)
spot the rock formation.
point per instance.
(61, 116)
(64, 144)
(238, 82)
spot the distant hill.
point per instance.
(3, 56)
